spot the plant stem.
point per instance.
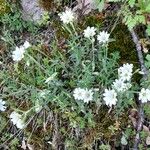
(93, 53)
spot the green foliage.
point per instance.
(82, 64)
(13, 25)
(147, 110)
(148, 30)
(132, 11)
(45, 19)
(147, 62)
(131, 20)
(14, 22)
(42, 83)
(104, 147)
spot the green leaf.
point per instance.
(100, 4)
(131, 3)
(148, 30)
(148, 57)
(147, 8)
(123, 140)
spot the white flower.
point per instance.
(18, 54)
(78, 93)
(120, 86)
(2, 105)
(110, 97)
(87, 95)
(144, 95)
(125, 72)
(103, 37)
(67, 17)
(26, 44)
(16, 119)
(89, 32)
(83, 94)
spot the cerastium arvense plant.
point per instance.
(73, 81)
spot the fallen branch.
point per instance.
(139, 123)
(140, 54)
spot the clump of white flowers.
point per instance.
(103, 37)
(17, 120)
(144, 95)
(18, 53)
(83, 94)
(125, 72)
(67, 17)
(89, 32)
(110, 97)
(2, 105)
(120, 85)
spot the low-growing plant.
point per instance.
(69, 85)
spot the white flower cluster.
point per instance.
(102, 37)
(67, 17)
(144, 95)
(83, 94)
(2, 105)
(18, 53)
(125, 72)
(110, 97)
(16, 119)
(119, 85)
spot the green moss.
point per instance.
(107, 127)
(124, 44)
(92, 20)
(126, 47)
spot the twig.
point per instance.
(55, 142)
(139, 52)
(139, 125)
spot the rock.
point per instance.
(31, 10)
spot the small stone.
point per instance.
(31, 10)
